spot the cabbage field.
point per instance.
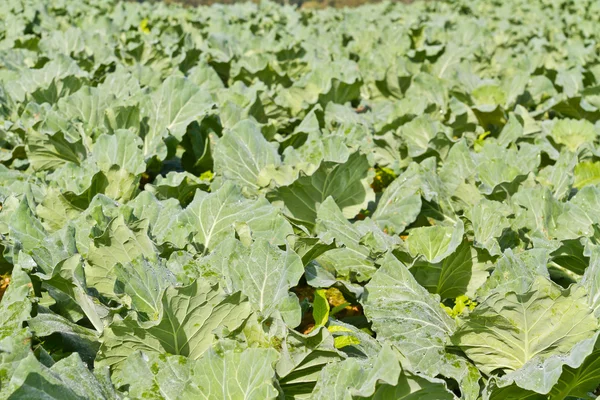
(265, 202)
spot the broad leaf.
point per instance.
(144, 282)
(119, 243)
(67, 379)
(190, 316)
(489, 220)
(347, 184)
(352, 377)
(512, 332)
(247, 375)
(170, 110)
(572, 133)
(211, 216)
(243, 152)
(401, 202)
(435, 243)
(262, 272)
(407, 315)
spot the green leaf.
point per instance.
(586, 173)
(570, 80)
(497, 166)
(413, 387)
(514, 333)
(75, 338)
(32, 79)
(573, 133)
(489, 220)
(151, 376)
(262, 272)
(15, 346)
(429, 87)
(548, 218)
(488, 95)
(122, 149)
(190, 316)
(435, 242)
(247, 375)
(164, 217)
(170, 110)
(407, 315)
(400, 203)
(177, 185)
(120, 158)
(343, 341)
(333, 225)
(210, 218)
(25, 228)
(559, 177)
(516, 272)
(458, 166)
(83, 111)
(15, 307)
(118, 244)
(302, 359)
(242, 153)
(579, 382)
(49, 151)
(67, 278)
(458, 274)
(353, 258)
(512, 131)
(591, 281)
(320, 308)
(493, 392)
(353, 377)
(464, 372)
(347, 184)
(310, 248)
(417, 134)
(67, 379)
(144, 282)
(588, 200)
(78, 184)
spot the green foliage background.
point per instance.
(257, 201)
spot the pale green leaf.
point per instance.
(435, 242)
(591, 280)
(262, 272)
(353, 377)
(573, 133)
(210, 218)
(516, 272)
(170, 110)
(152, 376)
(243, 152)
(347, 184)
(144, 282)
(586, 173)
(231, 374)
(190, 316)
(511, 332)
(400, 203)
(67, 379)
(15, 307)
(489, 220)
(407, 315)
(579, 382)
(118, 244)
(417, 134)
